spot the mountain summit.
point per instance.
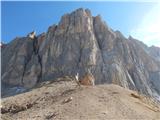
(78, 44)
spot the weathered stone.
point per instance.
(78, 43)
(32, 35)
(155, 52)
(88, 80)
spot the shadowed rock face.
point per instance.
(155, 52)
(78, 43)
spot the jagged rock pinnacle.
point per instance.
(32, 35)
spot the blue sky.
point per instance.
(131, 18)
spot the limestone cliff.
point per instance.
(81, 42)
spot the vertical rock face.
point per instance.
(73, 47)
(21, 62)
(15, 56)
(81, 42)
(155, 52)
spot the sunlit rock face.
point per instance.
(81, 42)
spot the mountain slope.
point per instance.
(78, 44)
(64, 100)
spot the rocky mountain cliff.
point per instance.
(78, 44)
(155, 52)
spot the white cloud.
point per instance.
(148, 30)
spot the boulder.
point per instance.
(88, 80)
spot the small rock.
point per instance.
(68, 100)
(51, 115)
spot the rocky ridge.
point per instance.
(81, 42)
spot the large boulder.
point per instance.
(88, 80)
